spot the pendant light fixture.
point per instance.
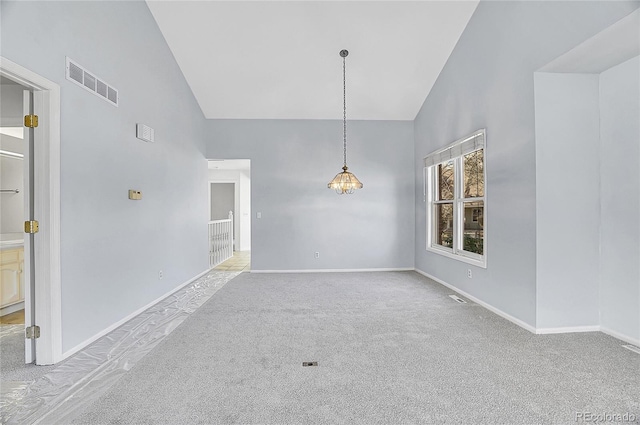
(344, 182)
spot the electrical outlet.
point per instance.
(160, 275)
(317, 255)
(469, 275)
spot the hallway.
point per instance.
(240, 262)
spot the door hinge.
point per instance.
(31, 121)
(32, 332)
(31, 226)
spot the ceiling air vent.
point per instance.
(77, 74)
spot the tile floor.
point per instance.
(240, 262)
(16, 318)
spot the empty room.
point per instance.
(319, 212)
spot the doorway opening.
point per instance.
(14, 141)
(33, 277)
(229, 191)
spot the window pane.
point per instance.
(473, 236)
(445, 181)
(444, 225)
(473, 165)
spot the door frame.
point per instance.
(236, 206)
(46, 104)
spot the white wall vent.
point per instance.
(77, 74)
(144, 132)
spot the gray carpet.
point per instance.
(58, 396)
(392, 348)
(12, 366)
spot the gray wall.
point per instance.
(620, 195)
(567, 199)
(222, 200)
(11, 112)
(112, 247)
(291, 163)
(488, 83)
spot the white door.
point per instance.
(29, 264)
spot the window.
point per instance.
(455, 196)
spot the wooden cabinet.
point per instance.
(11, 276)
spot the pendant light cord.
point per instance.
(344, 97)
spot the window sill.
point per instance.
(480, 263)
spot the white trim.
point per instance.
(129, 317)
(11, 308)
(471, 143)
(458, 257)
(567, 330)
(47, 207)
(620, 336)
(402, 269)
(489, 307)
(524, 325)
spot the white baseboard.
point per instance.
(12, 308)
(532, 329)
(489, 307)
(567, 329)
(620, 336)
(127, 318)
(335, 270)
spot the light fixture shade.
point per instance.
(345, 182)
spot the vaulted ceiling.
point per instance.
(280, 59)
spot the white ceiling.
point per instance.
(280, 59)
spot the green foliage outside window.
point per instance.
(473, 244)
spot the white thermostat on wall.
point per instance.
(144, 132)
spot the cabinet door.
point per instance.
(21, 277)
(10, 283)
(21, 272)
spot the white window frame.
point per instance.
(455, 152)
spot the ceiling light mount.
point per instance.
(344, 182)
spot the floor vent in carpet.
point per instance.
(632, 348)
(458, 299)
(309, 363)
